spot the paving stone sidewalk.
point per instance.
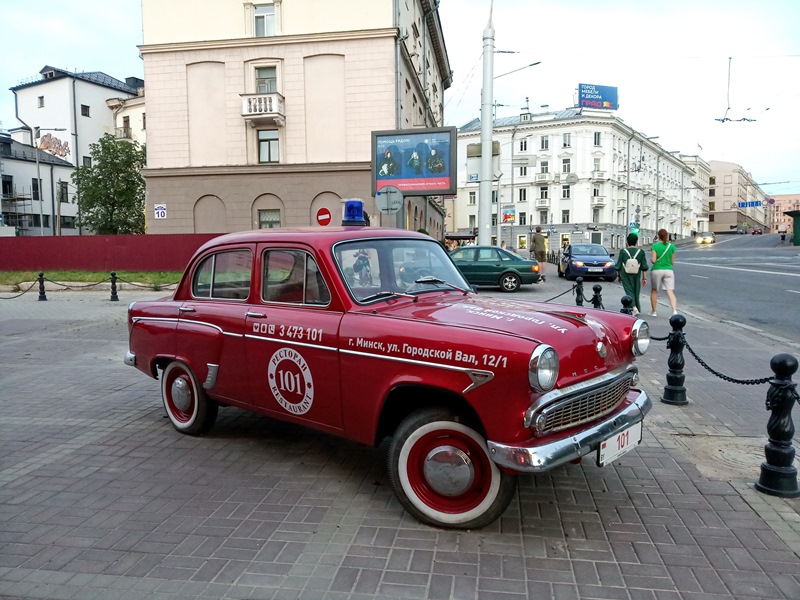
(101, 498)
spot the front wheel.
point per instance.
(560, 272)
(510, 282)
(186, 403)
(441, 472)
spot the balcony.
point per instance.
(123, 133)
(263, 109)
(542, 203)
(598, 201)
(598, 175)
(543, 177)
(622, 202)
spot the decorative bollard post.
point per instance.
(674, 391)
(597, 299)
(114, 297)
(579, 291)
(778, 473)
(42, 295)
(627, 305)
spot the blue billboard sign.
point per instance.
(597, 96)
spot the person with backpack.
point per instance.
(662, 276)
(632, 270)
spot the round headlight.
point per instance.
(640, 337)
(543, 368)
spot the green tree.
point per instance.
(112, 199)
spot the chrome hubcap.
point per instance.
(181, 394)
(449, 471)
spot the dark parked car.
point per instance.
(757, 232)
(586, 260)
(490, 265)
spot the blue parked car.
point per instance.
(587, 260)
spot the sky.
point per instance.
(679, 66)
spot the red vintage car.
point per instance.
(371, 333)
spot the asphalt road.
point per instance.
(752, 281)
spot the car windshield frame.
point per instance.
(587, 250)
(394, 265)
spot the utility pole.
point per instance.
(487, 125)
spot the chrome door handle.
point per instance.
(255, 315)
(186, 309)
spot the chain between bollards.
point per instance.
(778, 473)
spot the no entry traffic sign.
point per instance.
(323, 216)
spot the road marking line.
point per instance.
(699, 276)
(739, 269)
(793, 291)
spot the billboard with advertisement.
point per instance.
(597, 96)
(509, 214)
(419, 162)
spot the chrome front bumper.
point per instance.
(130, 359)
(536, 459)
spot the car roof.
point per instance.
(316, 236)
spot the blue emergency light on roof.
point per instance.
(354, 213)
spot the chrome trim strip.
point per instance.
(173, 320)
(130, 359)
(537, 459)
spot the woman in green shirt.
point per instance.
(662, 276)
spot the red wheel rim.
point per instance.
(476, 492)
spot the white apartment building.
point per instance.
(583, 175)
(736, 203)
(33, 192)
(260, 113)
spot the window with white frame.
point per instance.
(565, 191)
(523, 145)
(269, 218)
(264, 20)
(567, 140)
(544, 143)
(268, 147)
(595, 191)
(266, 80)
(542, 217)
(523, 218)
(597, 163)
(565, 216)
(523, 171)
(544, 193)
(523, 195)
(85, 110)
(494, 196)
(544, 166)
(597, 138)
(565, 165)
(472, 221)
(595, 215)
(40, 101)
(472, 198)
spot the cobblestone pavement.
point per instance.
(101, 498)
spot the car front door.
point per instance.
(292, 340)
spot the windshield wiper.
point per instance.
(388, 294)
(435, 280)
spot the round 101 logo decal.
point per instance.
(290, 381)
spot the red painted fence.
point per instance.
(166, 252)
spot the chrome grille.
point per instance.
(581, 407)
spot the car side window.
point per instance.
(293, 277)
(488, 255)
(224, 275)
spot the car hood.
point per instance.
(575, 332)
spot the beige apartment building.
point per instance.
(260, 114)
(736, 203)
(783, 203)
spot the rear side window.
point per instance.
(224, 275)
(293, 277)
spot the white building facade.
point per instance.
(260, 114)
(582, 175)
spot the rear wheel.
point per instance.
(510, 282)
(569, 274)
(441, 472)
(186, 403)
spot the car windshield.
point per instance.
(372, 266)
(589, 249)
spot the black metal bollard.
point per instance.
(597, 298)
(778, 473)
(674, 391)
(114, 297)
(627, 305)
(579, 291)
(42, 295)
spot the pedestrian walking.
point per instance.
(632, 270)
(539, 243)
(662, 277)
